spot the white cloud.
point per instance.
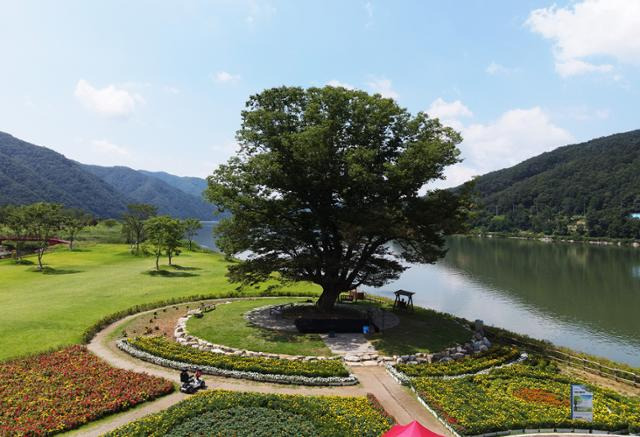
(383, 87)
(337, 83)
(496, 69)
(590, 29)
(368, 7)
(259, 11)
(225, 77)
(110, 101)
(107, 147)
(516, 135)
(171, 89)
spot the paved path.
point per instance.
(397, 400)
(348, 344)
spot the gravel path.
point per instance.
(397, 400)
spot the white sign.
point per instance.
(581, 403)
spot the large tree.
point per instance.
(326, 188)
(164, 235)
(75, 220)
(43, 221)
(191, 228)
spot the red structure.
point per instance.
(52, 241)
(413, 429)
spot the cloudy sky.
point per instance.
(160, 85)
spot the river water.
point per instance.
(581, 296)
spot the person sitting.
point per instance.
(197, 382)
(184, 377)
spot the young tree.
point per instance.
(325, 189)
(164, 234)
(13, 218)
(74, 220)
(191, 228)
(134, 220)
(43, 221)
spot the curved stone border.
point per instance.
(183, 337)
(125, 346)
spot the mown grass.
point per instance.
(44, 311)
(226, 325)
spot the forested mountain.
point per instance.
(188, 184)
(30, 173)
(144, 188)
(589, 188)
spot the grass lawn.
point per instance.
(43, 311)
(421, 331)
(226, 325)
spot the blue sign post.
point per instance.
(581, 403)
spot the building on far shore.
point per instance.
(635, 215)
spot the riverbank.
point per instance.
(600, 241)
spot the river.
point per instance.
(577, 295)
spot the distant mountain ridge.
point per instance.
(590, 188)
(31, 173)
(143, 187)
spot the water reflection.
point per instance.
(581, 296)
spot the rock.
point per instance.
(458, 356)
(483, 348)
(352, 358)
(486, 342)
(445, 360)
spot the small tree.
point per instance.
(134, 223)
(43, 221)
(14, 219)
(74, 220)
(191, 228)
(164, 234)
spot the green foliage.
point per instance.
(134, 223)
(73, 221)
(191, 227)
(161, 347)
(322, 416)
(589, 188)
(324, 180)
(164, 235)
(494, 357)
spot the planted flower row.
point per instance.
(220, 412)
(496, 356)
(62, 390)
(166, 353)
(520, 397)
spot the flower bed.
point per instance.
(521, 397)
(494, 357)
(220, 412)
(170, 354)
(62, 390)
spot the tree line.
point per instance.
(32, 227)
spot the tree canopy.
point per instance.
(326, 181)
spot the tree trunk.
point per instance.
(190, 249)
(71, 243)
(327, 299)
(169, 255)
(40, 254)
(157, 260)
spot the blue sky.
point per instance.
(160, 85)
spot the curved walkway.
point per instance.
(397, 400)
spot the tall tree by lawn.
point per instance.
(164, 234)
(191, 228)
(134, 223)
(44, 221)
(74, 220)
(325, 188)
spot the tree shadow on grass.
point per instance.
(24, 262)
(169, 274)
(184, 268)
(284, 337)
(46, 270)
